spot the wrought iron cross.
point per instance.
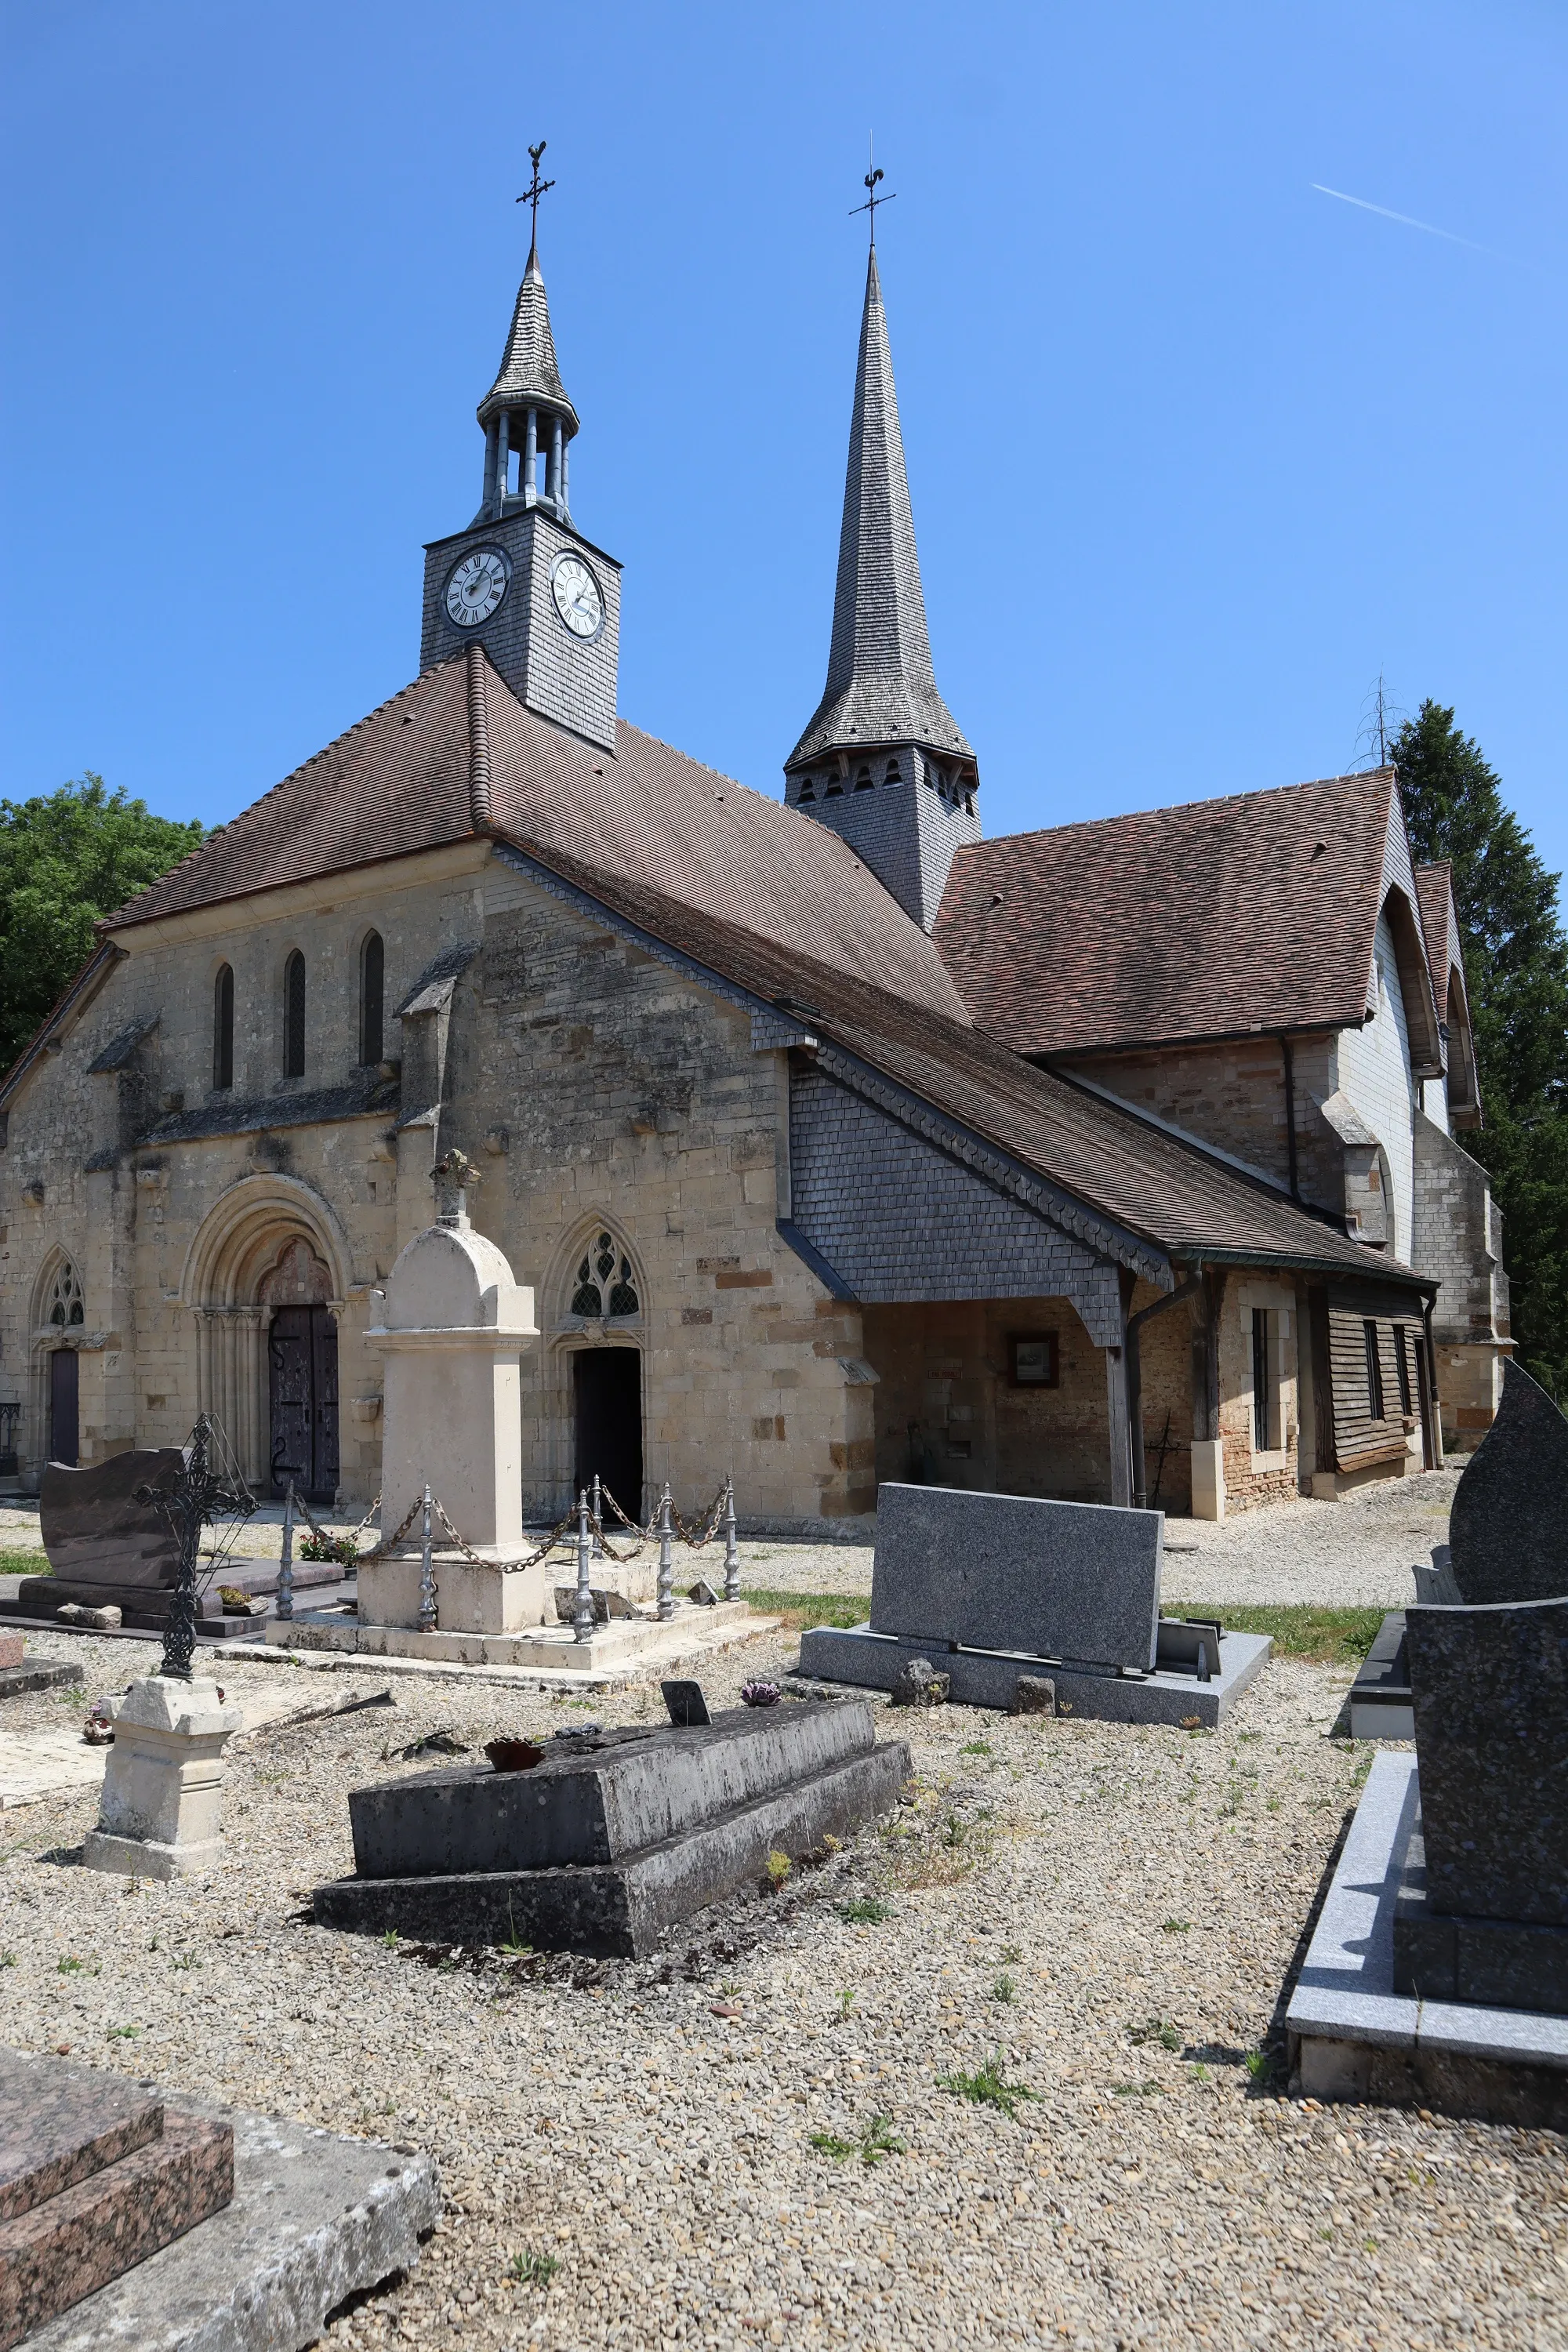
(537, 188)
(873, 199)
(188, 1504)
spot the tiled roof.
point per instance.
(399, 781)
(757, 894)
(880, 685)
(1212, 919)
(1440, 923)
(1164, 1189)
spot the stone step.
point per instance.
(76, 2242)
(625, 1908)
(60, 2123)
(597, 1798)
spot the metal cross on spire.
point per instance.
(873, 177)
(532, 195)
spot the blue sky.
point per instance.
(1196, 451)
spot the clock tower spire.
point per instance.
(883, 761)
(542, 599)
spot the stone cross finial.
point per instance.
(451, 1176)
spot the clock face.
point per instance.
(577, 597)
(477, 586)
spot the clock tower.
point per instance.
(544, 602)
(883, 761)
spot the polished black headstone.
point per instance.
(1489, 1689)
(1508, 1532)
(687, 1705)
(94, 1530)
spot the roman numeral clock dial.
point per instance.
(577, 597)
(477, 586)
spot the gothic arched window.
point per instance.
(294, 1016)
(605, 1285)
(892, 776)
(63, 1308)
(223, 1026)
(372, 996)
(863, 779)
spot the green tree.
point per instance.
(1516, 974)
(66, 858)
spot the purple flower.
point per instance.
(760, 1693)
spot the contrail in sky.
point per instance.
(1406, 221)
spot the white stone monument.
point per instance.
(453, 1328)
(162, 1785)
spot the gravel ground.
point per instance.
(1109, 1913)
(1357, 1553)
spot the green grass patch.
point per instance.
(988, 2087)
(25, 1563)
(1329, 1637)
(800, 1611)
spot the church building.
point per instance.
(1115, 1162)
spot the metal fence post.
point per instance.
(731, 1548)
(426, 1575)
(666, 1558)
(583, 1608)
(286, 1558)
(598, 1518)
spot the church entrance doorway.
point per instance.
(606, 1384)
(64, 1436)
(303, 1397)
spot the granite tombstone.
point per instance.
(1508, 1531)
(995, 1587)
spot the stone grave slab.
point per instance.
(1078, 1581)
(95, 2174)
(613, 1838)
(20, 1674)
(993, 1589)
(1354, 2035)
(297, 2219)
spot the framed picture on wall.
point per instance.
(1033, 1359)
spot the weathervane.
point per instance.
(532, 195)
(873, 198)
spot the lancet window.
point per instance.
(63, 1306)
(604, 1284)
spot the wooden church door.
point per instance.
(302, 1375)
(302, 1354)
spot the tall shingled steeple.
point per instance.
(883, 761)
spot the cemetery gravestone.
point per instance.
(613, 1837)
(995, 1587)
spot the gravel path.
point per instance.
(1357, 1553)
(1139, 1894)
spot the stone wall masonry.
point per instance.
(1232, 1096)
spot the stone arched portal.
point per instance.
(266, 1280)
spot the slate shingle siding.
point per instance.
(902, 1221)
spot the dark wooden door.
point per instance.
(607, 1384)
(64, 1434)
(303, 1385)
